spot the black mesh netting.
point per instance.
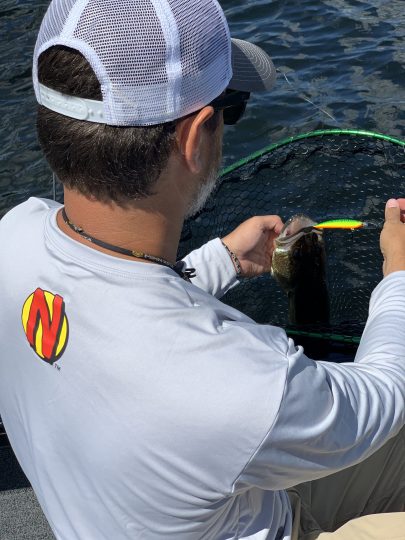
(326, 177)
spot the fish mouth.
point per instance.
(295, 228)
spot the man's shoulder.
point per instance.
(31, 208)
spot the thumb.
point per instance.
(392, 211)
(272, 223)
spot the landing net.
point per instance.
(327, 175)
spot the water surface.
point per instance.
(345, 56)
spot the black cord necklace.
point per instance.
(179, 267)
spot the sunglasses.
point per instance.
(233, 104)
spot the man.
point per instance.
(139, 405)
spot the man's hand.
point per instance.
(253, 243)
(392, 240)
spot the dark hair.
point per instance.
(110, 163)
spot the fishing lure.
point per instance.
(348, 224)
(340, 224)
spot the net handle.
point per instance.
(317, 133)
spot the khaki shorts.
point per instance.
(364, 502)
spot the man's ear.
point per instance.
(191, 135)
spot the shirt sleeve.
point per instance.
(215, 271)
(332, 415)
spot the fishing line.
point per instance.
(300, 95)
(305, 98)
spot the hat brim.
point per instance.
(253, 69)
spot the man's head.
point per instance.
(123, 86)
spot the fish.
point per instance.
(299, 266)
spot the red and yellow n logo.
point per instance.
(45, 324)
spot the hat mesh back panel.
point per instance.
(132, 52)
(204, 46)
(156, 60)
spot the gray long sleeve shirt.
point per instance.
(141, 407)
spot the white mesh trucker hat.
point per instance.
(156, 60)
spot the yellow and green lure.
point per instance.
(340, 224)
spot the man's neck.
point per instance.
(153, 224)
(143, 226)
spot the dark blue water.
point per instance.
(345, 56)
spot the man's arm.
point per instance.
(332, 416)
(252, 243)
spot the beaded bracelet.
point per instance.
(235, 260)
